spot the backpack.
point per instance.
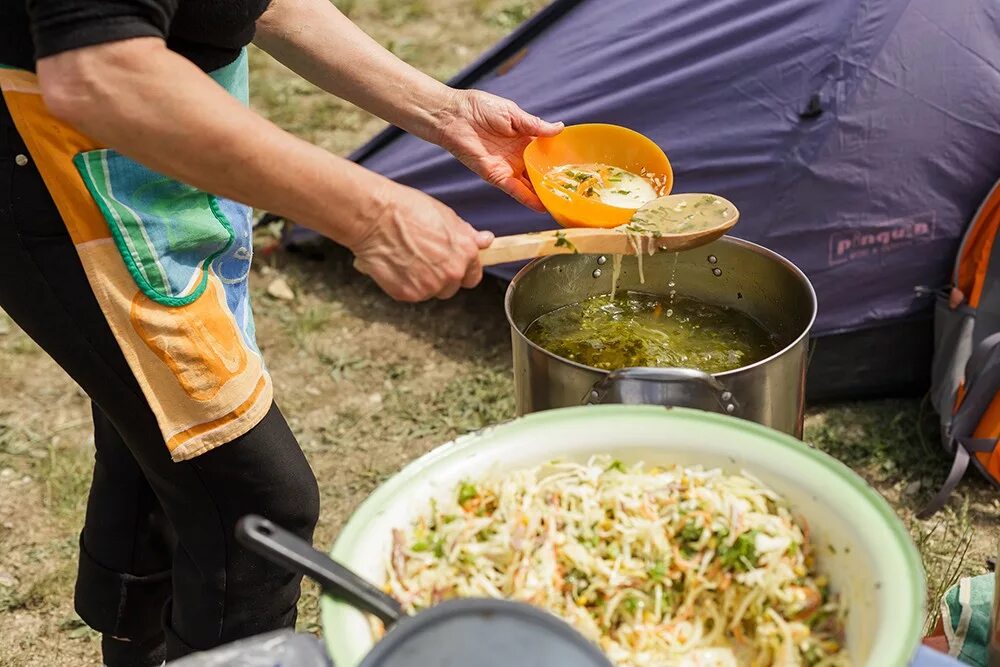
(965, 376)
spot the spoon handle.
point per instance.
(284, 548)
(519, 247)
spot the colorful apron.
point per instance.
(168, 264)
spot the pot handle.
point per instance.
(681, 387)
(289, 550)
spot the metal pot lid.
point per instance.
(485, 633)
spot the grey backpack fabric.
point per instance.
(967, 355)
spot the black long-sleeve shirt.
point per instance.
(210, 33)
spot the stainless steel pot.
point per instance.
(728, 272)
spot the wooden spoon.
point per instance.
(672, 223)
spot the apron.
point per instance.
(168, 264)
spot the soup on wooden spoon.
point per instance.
(673, 223)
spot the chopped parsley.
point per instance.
(691, 532)
(563, 242)
(437, 546)
(466, 492)
(742, 555)
(616, 465)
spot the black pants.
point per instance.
(159, 565)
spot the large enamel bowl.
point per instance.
(863, 547)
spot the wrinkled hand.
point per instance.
(417, 248)
(488, 134)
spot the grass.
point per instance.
(368, 384)
(945, 548)
(894, 445)
(66, 479)
(473, 402)
(506, 17)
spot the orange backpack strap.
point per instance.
(971, 272)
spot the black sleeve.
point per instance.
(62, 25)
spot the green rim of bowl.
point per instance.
(332, 610)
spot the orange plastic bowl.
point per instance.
(582, 144)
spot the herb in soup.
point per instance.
(639, 329)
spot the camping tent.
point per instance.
(856, 137)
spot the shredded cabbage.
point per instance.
(668, 566)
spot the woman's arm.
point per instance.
(158, 108)
(316, 41)
(487, 133)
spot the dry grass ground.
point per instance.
(369, 384)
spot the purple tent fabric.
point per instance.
(857, 137)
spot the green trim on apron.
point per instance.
(168, 233)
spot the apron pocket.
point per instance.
(167, 232)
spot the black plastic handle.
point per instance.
(280, 546)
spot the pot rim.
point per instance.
(753, 247)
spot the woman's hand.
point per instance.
(417, 248)
(489, 134)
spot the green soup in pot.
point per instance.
(638, 329)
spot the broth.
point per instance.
(609, 185)
(639, 329)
